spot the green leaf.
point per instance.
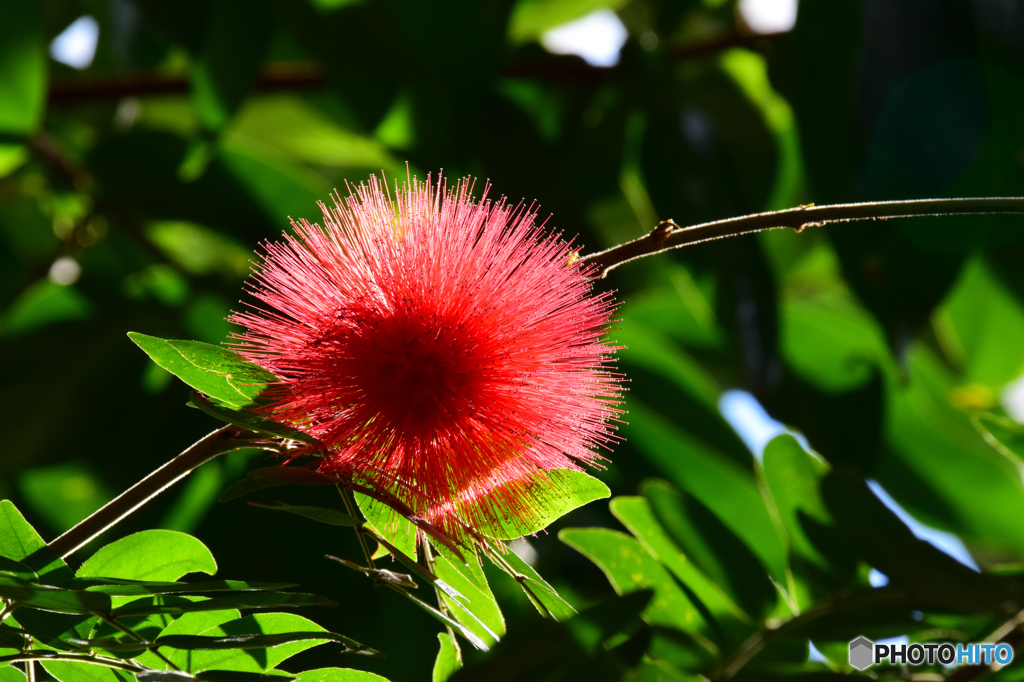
(245, 377)
(985, 319)
(189, 624)
(271, 477)
(338, 675)
(199, 621)
(630, 568)
(713, 547)
(1005, 435)
(55, 629)
(17, 569)
(133, 589)
(22, 79)
(49, 598)
(475, 608)
(531, 18)
(470, 636)
(728, 490)
(256, 660)
(18, 539)
(388, 524)
(9, 673)
(332, 517)
(635, 513)
(248, 600)
(829, 340)
(150, 555)
(939, 462)
(226, 68)
(258, 641)
(793, 477)
(66, 671)
(554, 494)
(449, 658)
(543, 597)
(236, 676)
(248, 420)
(164, 354)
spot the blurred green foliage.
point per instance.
(132, 193)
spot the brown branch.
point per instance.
(222, 440)
(1012, 633)
(668, 235)
(309, 75)
(274, 77)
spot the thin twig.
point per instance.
(350, 507)
(223, 440)
(1011, 632)
(29, 656)
(668, 235)
(150, 646)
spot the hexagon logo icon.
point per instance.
(861, 653)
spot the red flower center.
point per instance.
(415, 376)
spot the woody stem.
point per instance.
(668, 235)
(221, 441)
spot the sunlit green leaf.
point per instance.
(66, 671)
(449, 658)
(257, 660)
(338, 675)
(555, 493)
(18, 539)
(629, 568)
(388, 524)
(540, 593)
(635, 513)
(150, 555)
(475, 608)
(245, 377)
(209, 382)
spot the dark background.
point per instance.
(200, 127)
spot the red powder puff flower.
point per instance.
(444, 350)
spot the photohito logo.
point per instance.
(865, 653)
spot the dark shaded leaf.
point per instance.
(259, 641)
(332, 517)
(49, 598)
(252, 600)
(248, 420)
(130, 589)
(271, 477)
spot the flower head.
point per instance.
(443, 349)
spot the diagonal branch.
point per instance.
(667, 235)
(224, 439)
